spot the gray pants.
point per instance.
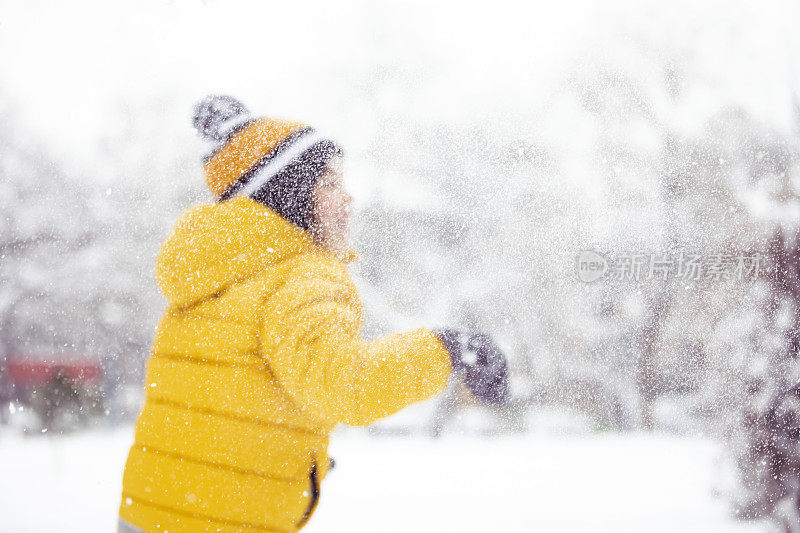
(125, 527)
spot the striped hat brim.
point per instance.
(286, 152)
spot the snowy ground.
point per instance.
(629, 483)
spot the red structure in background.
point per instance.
(63, 389)
(31, 370)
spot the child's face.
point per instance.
(332, 207)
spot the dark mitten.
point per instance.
(481, 363)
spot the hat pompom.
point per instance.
(217, 116)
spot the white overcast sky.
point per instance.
(66, 64)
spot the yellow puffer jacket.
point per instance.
(256, 359)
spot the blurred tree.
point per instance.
(45, 232)
(768, 452)
(77, 245)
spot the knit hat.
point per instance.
(275, 162)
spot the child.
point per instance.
(258, 356)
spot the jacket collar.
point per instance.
(215, 245)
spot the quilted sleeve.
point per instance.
(315, 350)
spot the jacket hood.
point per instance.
(213, 246)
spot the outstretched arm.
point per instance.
(326, 366)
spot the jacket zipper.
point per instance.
(314, 495)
